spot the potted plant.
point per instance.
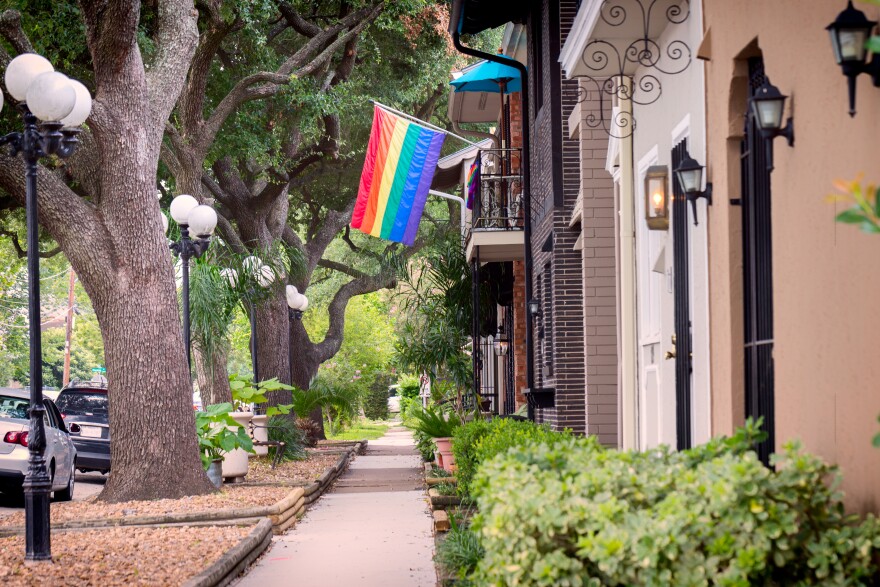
(433, 422)
(244, 396)
(219, 434)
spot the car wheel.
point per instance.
(67, 493)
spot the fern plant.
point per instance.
(434, 423)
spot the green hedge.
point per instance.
(376, 399)
(480, 440)
(576, 514)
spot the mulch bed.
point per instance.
(260, 470)
(230, 496)
(120, 556)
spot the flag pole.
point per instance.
(428, 124)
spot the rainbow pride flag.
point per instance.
(399, 166)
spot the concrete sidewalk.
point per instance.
(373, 529)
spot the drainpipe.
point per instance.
(627, 275)
(527, 197)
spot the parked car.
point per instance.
(393, 399)
(84, 408)
(60, 450)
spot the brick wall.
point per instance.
(555, 182)
(599, 269)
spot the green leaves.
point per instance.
(574, 513)
(218, 432)
(432, 422)
(866, 210)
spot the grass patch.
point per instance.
(363, 430)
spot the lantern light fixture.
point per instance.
(296, 301)
(656, 198)
(849, 37)
(768, 107)
(501, 344)
(690, 179)
(534, 308)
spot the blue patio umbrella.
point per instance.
(489, 76)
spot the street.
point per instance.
(87, 485)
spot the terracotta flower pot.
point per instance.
(444, 455)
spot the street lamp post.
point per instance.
(200, 220)
(297, 304)
(61, 105)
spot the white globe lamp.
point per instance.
(22, 70)
(202, 220)
(82, 108)
(51, 96)
(180, 208)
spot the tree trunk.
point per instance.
(273, 343)
(304, 367)
(211, 373)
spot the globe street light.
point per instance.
(200, 220)
(59, 104)
(297, 303)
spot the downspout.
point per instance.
(629, 342)
(527, 197)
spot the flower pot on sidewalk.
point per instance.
(215, 473)
(444, 455)
(235, 463)
(260, 433)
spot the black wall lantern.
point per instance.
(501, 343)
(690, 179)
(534, 308)
(849, 35)
(768, 107)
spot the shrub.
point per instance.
(460, 552)
(376, 399)
(573, 513)
(408, 387)
(310, 429)
(480, 440)
(285, 429)
(425, 445)
(432, 422)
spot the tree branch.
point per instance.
(21, 252)
(10, 29)
(342, 268)
(176, 41)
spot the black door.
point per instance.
(757, 271)
(683, 367)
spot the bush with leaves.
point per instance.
(434, 422)
(376, 398)
(286, 430)
(574, 513)
(459, 552)
(408, 387)
(480, 440)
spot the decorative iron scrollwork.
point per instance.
(600, 55)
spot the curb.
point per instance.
(236, 559)
(283, 514)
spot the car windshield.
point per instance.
(13, 407)
(82, 404)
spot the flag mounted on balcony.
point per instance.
(473, 182)
(398, 169)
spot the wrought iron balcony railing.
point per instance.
(498, 202)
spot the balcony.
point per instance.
(496, 227)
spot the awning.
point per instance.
(450, 169)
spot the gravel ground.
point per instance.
(120, 556)
(260, 470)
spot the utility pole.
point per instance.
(66, 379)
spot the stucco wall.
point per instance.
(826, 275)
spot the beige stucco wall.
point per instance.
(826, 275)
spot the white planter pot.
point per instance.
(260, 433)
(235, 463)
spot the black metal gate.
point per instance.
(509, 363)
(680, 268)
(757, 271)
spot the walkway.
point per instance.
(372, 530)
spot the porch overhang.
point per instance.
(495, 246)
(608, 36)
(480, 15)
